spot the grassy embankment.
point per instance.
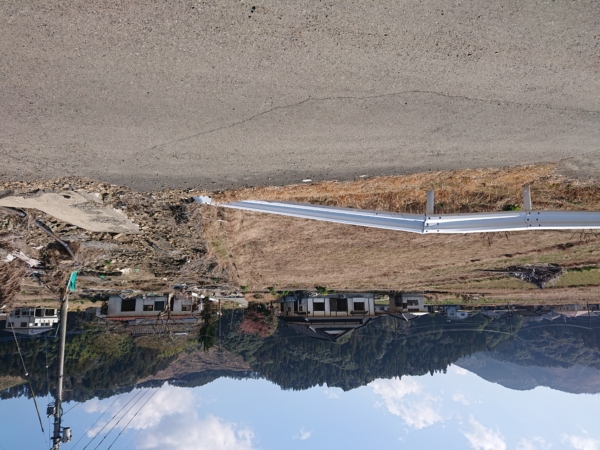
(288, 253)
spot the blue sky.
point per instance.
(457, 410)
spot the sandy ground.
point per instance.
(220, 94)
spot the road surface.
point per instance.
(219, 94)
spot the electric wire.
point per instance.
(99, 417)
(133, 439)
(117, 423)
(47, 365)
(28, 379)
(71, 408)
(140, 430)
(130, 420)
(115, 415)
(47, 379)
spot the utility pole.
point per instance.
(60, 435)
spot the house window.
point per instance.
(159, 306)
(50, 312)
(359, 306)
(38, 312)
(186, 308)
(23, 324)
(128, 305)
(338, 304)
(318, 306)
(148, 307)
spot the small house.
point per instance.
(332, 305)
(327, 317)
(408, 302)
(118, 308)
(32, 320)
(454, 312)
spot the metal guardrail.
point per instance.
(430, 223)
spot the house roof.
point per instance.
(328, 329)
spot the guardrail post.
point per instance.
(430, 203)
(526, 198)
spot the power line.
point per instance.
(92, 425)
(117, 423)
(130, 420)
(47, 379)
(72, 407)
(115, 415)
(28, 379)
(133, 439)
(140, 430)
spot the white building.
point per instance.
(32, 320)
(342, 305)
(146, 307)
(332, 316)
(334, 305)
(408, 302)
(453, 312)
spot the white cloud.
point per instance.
(332, 393)
(391, 391)
(581, 442)
(167, 401)
(418, 414)
(458, 370)
(190, 433)
(303, 434)
(169, 421)
(460, 398)
(482, 438)
(536, 443)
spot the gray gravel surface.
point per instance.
(227, 93)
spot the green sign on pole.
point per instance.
(73, 281)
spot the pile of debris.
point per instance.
(539, 274)
(115, 237)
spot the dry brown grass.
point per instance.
(11, 276)
(457, 191)
(288, 253)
